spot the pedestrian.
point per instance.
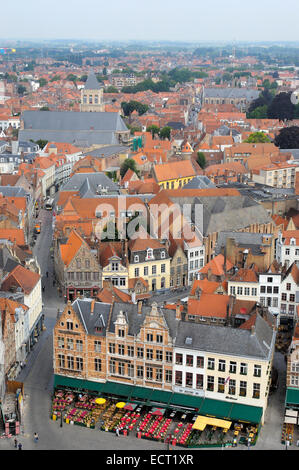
(20, 446)
(16, 442)
(43, 288)
(35, 437)
(47, 274)
(117, 431)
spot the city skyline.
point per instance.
(161, 21)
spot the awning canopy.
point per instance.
(195, 404)
(118, 389)
(79, 384)
(246, 413)
(293, 413)
(202, 421)
(290, 420)
(292, 397)
(216, 408)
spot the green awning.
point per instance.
(250, 414)
(188, 401)
(118, 389)
(79, 384)
(217, 408)
(160, 396)
(292, 396)
(141, 392)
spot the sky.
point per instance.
(173, 20)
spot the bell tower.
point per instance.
(92, 95)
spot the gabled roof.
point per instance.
(293, 270)
(216, 265)
(174, 170)
(208, 287)
(69, 250)
(21, 277)
(245, 275)
(209, 305)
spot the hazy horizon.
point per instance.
(159, 20)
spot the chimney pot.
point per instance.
(178, 312)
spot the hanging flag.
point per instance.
(227, 380)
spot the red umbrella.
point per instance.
(129, 407)
(158, 412)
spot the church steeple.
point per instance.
(92, 95)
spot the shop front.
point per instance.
(183, 420)
(73, 292)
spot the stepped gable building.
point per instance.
(129, 350)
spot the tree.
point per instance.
(153, 129)
(111, 89)
(281, 107)
(41, 143)
(42, 82)
(288, 138)
(128, 163)
(265, 99)
(261, 112)
(257, 137)
(55, 78)
(165, 133)
(21, 90)
(71, 77)
(201, 160)
(45, 108)
(129, 107)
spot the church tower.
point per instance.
(92, 95)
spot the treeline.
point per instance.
(168, 80)
(269, 106)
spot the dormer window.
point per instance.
(121, 333)
(149, 253)
(292, 241)
(114, 266)
(162, 254)
(136, 259)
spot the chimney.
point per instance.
(92, 307)
(178, 312)
(198, 293)
(139, 307)
(252, 330)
